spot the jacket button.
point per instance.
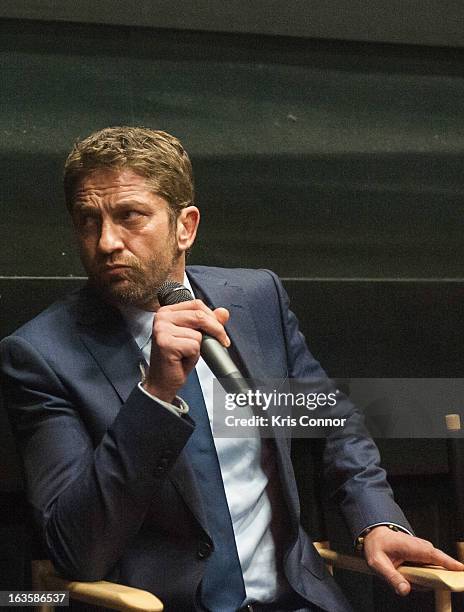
(161, 466)
(204, 550)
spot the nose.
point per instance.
(110, 238)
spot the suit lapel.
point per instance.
(241, 326)
(104, 333)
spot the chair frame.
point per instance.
(128, 599)
(429, 577)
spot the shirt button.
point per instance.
(204, 550)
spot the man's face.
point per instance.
(128, 242)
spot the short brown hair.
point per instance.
(155, 155)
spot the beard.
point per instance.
(138, 283)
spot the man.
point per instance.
(123, 475)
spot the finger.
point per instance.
(438, 557)
(422, 551)
(187, 332)
(188, 305)
(194, 319)
(222, 315)
(381, 564)
(178, 349)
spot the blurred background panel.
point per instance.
(315, 158)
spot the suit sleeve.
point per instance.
(88, 501)
(352, 469)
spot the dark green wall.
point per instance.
(315, 159)
(429, 22)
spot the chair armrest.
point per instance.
(101, 593)
(426, 576)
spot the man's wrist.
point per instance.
(165, 396)
(152, 390)
(360, 540)
(178, 406)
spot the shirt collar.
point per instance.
(140, 322)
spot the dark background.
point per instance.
(327, 142)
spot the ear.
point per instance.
(187, 225)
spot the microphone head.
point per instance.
(172, 292)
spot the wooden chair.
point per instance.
(102, 593)
(442, 582)
(127, 599)
(456, 467)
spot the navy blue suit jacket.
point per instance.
(112, 492)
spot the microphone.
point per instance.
(215, 355)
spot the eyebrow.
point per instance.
(123, 203)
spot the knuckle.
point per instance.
(158, 328)
(377, 564)
(372, 561)
(192, 350)
(426, 543)
(161, 316)
(162, 341)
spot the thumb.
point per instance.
(399, 583)
(383, 566)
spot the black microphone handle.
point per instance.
(218, 360)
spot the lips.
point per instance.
(115, 269)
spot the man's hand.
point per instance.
(176, 341)
(385, 550)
